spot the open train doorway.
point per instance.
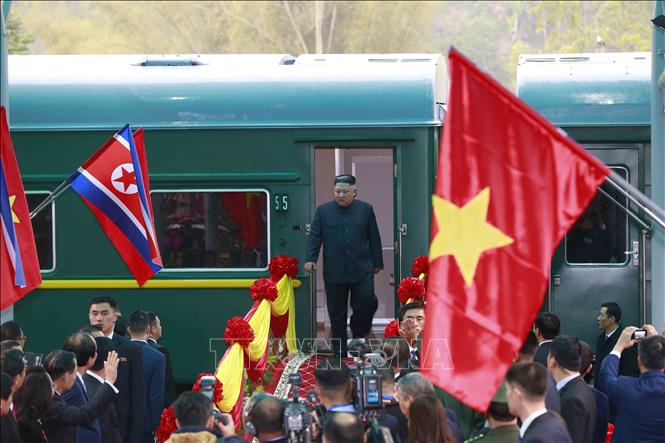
(373, 169)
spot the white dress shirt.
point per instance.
(527, 422)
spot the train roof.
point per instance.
(78, 92)
(602, 89)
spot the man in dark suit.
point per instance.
(602, 402)
(411, 324)
(9, 431)
(352, 254)
(130, 403)
(546, 327)
(526, 384)
(85, 349)
(578, 405)
(154, 334)
(640, 401)
(94, 379)
(14, 365)
(10, 330)
(608, 319)
(153, 373)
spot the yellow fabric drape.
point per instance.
(230, 374)
(286, 303)
(260, 323)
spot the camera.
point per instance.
(224, 420)
(297, 418)
(639, 334)
(207, 384)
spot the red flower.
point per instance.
(238, 331)
(281, 265)
(218, 392)
(392, 330)
(420, 266)
(166, 425)
(411, 288)
(263, 289)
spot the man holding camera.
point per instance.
(640, 401)
(195, 421)
(352, 254)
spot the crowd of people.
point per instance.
(103, 386)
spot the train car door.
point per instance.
(600, 258)
(373, 168)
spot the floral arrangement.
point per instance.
(263, 289)
(166, 425)
(281, 265)
(217, 393)
(392, 330)
(411, 288)
(238, 331)
(420, 266)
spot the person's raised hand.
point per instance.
(226, 425)
(651, 330)
(111, 367)
(626, 339)
(407, 329)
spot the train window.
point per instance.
(212, 229)
(600, 235)
(43, 228)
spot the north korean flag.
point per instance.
(114, 185)
(19, 267)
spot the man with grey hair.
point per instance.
(414, 385)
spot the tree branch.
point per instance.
(285, 3)
(253, 26)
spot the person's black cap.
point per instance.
(345, 178)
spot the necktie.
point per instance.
(414, 354)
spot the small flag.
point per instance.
(509, 185)
(114, 185)
(19, 266)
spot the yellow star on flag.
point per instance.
(12, 199)
(464, 232)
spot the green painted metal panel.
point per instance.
(588, 89)
(94, 92)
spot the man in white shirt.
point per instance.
(526, 384)
(94, 378)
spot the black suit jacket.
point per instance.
(542, 352)
(108, 420)
(351, 241)
(9, 432)
(130, 403)
(547, 428)
(578, 409)
(170, 393)
(62, 419)
(627, 364)
(552, 397)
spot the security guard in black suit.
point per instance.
(351, 256)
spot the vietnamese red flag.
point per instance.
(19, 266)
(509, 185)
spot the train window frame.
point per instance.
(268, 226)
(54, 240)
(626, 261)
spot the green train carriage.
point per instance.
(241, 149)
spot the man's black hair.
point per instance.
(500, 412)
(58, 363)
(407, 307)
(586, 357)
(91, 329)
(192, 409)
(152, 318)
(120, 326)
(530, 345)
(613, 310)
(651, 351)
(6, 383)
(103, 299)
(267, 415)
(345, 178)
(12, 362)
(6, 345)
(567, 352)
(331, 374)
(343, 427)
(82, 345)
(10, 330)
(548, 324)
(104, 346)
(530, 377)
(139, 321)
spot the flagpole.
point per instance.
(655, 212)
(62, 187)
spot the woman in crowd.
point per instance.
(43, 415)
(428, 422)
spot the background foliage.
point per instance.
(493, 34)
